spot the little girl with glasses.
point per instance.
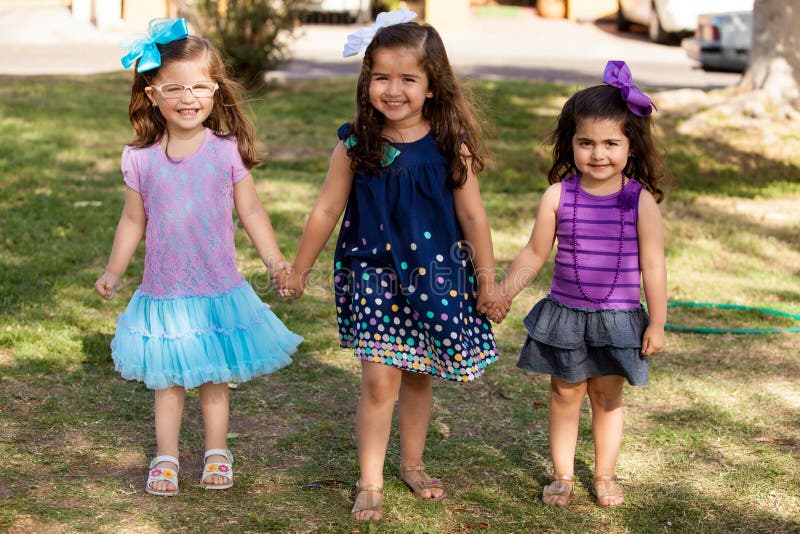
(194, 321)
(591, 332)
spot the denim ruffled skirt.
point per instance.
(188, 341)
(576, 344)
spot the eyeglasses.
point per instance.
(172, 91)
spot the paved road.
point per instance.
(46, 40)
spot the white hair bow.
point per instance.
(358, 41)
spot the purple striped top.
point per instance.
(597, 231)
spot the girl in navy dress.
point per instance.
(591, 333)
(413, 249)
(194, 321)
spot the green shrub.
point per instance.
(252, 34)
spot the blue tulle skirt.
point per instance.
(188, 341)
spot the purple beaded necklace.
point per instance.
(575, 241)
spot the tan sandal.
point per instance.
(424, 482)
(561, 486)
(606, 486)
(372, 502)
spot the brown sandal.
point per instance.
(606, 486)
(558, 488)
(371, 501)
(419, 485)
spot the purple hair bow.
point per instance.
(617, 74)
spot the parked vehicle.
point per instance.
(721, 41)
(668, 19)
(354, 10)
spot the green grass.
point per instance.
(710, 446)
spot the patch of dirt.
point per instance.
(25, 524)
(778, 213)
(787, 391)
(749, 122)
(5, 492)
(262, 426)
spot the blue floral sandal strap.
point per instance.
(423, 482)
(223, 469)
(158, 474)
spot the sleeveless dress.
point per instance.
(194, 319)
(574, 337)
(403, 277)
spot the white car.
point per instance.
(667, 19)
(356, 10)
(721, 41)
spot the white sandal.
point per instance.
(158, 474)
(223, 469)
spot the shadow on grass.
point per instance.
(288, 428)
(736, 233)
(707, 166)
(699, 512)
(77, 438)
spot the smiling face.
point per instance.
(184, 115)
(600, 150)
(398, 87)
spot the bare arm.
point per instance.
(529, 261)
(130, 229)
(257, 223)
(472, 218)
(323, 217)
(650, 229)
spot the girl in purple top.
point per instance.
(194, 321)
(591, 332)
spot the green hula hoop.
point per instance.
(712, 330)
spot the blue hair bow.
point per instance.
(617, 74)
(160, 31)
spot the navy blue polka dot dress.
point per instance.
(403, 277)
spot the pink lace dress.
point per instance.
(194, 319)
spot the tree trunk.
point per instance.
(774, 67)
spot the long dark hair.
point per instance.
(604, 102)
(226, 119)
(451, 111)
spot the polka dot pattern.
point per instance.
(386, 325)
(403, 282)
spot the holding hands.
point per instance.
(286, 281)
(494, 302)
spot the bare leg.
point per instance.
(168, 415)
(605, 394)
(215, 405)
(565, 410)
(379, 389)
(414, 414)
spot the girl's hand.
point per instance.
(493, 303)
(653, 340)
(287, 282)
(278, 275)
(494, 312)
(107, 285)
(295, 285)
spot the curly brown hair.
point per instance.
(604, 102)
(451, 110)
(226, 119)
